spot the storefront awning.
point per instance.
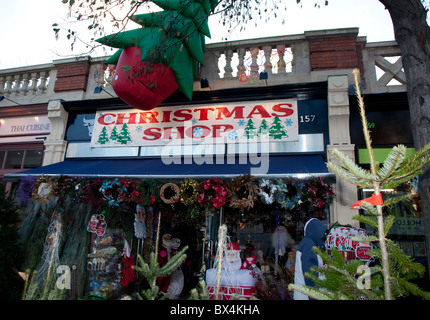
(294, 166)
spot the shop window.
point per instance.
(14, 159)
(20, 159)
(33, 159)
(2, 154)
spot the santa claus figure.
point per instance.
(236, 277)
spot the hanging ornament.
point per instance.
(97, 224)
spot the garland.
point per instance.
(240, 192)
(172, 187)
(243, 192)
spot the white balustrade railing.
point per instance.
(17, 82)
(284, 59)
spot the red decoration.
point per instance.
(140, 85)
(374, 200)
(128, 275)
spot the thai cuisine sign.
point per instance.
(235, 122)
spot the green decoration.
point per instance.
(103, 137)
(124, 135)
(264, 127)
(114, 134)
(277, 130)
(250, 130)
(174, 37)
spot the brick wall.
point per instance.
(335, 52)
(72, 76)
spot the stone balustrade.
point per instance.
(303, 58)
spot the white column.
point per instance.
(55, 145)
(338, 110)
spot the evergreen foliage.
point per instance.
(392, 271)
(152, 270)
(10, 251)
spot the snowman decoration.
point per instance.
(176, 283)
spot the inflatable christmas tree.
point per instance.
(163, 55)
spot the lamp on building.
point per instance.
(263, 76)
(204, 83)
(3, 97)
(99, 89)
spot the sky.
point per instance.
(27, 36)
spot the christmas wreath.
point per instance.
(188, 191)
(146, 192)
(243, 192)
(212, 191)
(111, 191)
(43, 189)
(267, 190)
(169, 193)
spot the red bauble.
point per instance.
(140, 85)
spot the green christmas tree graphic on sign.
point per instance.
(103, 136)
(264, 127)
(250, 130)
(114, 134)
(124, 136)
(277, 130)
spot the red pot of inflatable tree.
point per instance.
(140, 85)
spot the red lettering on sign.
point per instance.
(203, 113)
(286, 112)
(184, 113)
(217, 129)
(260, 110)
(155, 133)
(166, 115)
(178, 132)
(148, 117)
(237, 111)
(102, 121)
(131, 117)
(202, 132)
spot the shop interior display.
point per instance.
(118, 220)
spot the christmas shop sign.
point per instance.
(253, 121)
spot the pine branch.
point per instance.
(350, 170)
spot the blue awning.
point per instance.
(295, 166)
